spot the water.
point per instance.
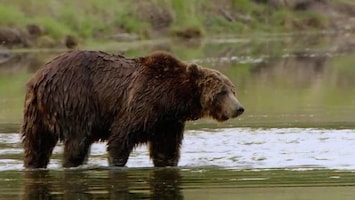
(233, 163)
(222, 163)
(294, 141)
(237, 148)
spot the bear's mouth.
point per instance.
(222, 118)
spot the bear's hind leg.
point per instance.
(75, 152)
(38, 146)
(164, 146)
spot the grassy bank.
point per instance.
(112, 19)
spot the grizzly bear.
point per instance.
(82, 97)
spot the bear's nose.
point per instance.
(240, 110)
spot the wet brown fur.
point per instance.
(82, 97)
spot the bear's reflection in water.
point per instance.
(37, 185)
(158, 183)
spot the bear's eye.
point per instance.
(223, 93)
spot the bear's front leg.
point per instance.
(118, 153)
(76, 153)
(119, 147)
(164, 145)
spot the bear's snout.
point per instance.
(239, 111)
(231, 108)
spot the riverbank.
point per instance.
(75, 23)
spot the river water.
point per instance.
(295, 140)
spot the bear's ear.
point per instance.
(194, 70)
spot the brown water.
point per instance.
(294, 141)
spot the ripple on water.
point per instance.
(228, 148)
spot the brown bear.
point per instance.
(82, 97)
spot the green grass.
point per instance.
(11, 15)
(54, 28)
(92, 19)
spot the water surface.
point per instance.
(221, 163)
(237, 148)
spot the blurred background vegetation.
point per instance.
(51, 23)
(297, 51)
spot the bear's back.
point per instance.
(79, 65)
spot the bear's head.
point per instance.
(218, 95)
